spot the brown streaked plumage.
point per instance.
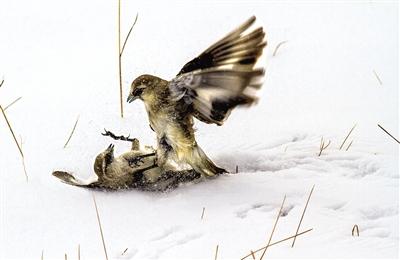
(132, 169)
(208, 88)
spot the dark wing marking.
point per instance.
(213, 93)
(223, 76)
(235, 49)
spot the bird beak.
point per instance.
(131, 98)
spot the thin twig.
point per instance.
(202, 213)
(119, 60)
(12, 103)
(277, 242)
(127, 36)
(23, 160)
(381, 127)
(322, 145)
(216, 252)
(237, 169)
(41, 258)
(348, 147)
(79, 252)
(72, 132)
(378, 78)
(302, 215)
(16, 142)
(1, 83)
(344, 141)
(123, 253)
(273, 229)
(24, 167)
(252, 254)
(101, 229)
(12, 132)
(277, 47)
(355, 230)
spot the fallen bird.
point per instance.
(136, 168)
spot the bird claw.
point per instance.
(137, 161)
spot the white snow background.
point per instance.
(61, 58)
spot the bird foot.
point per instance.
(118, 137)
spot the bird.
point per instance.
(207, 88)
(132, 169)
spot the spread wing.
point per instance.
(223, 76)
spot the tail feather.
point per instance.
(203, 165)
(71, 180)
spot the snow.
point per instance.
(61, 57)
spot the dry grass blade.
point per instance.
(11, 130)
(79, 252)
(1, 83)
(381, 127)
(348, 147)
(65, 257)
(16, 142)
(24, 167)
(322, 145)
(355, 230)
(277, 47)
(127, 36)
(41, 258)
(12, 103)
(101, 229)
(216, 252)
(345, 139)
(119, 60)
(378, 78)
(72, 132)
(302, 215)
(277, 242)
(202, 213)
(123, 253)
(252, 255)
(273, 229)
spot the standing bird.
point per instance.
(208, 88)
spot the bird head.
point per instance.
(103, 160)
(140, 86)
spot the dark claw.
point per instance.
(115, 137)
(135, 162)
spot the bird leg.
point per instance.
(115, 137)
(136, 161)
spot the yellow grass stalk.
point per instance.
(101, 229)
(302, 215)
(273, 229)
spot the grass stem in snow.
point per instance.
(302, 215)
(275, 243)
(381, 127)
(277, 47)
(101, 229)
(273, 229)
(72, 132)
(345, 139)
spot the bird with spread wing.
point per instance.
(207, 88)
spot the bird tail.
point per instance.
(202, 164)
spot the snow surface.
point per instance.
(61, 57)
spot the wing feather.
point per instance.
(223, 76)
